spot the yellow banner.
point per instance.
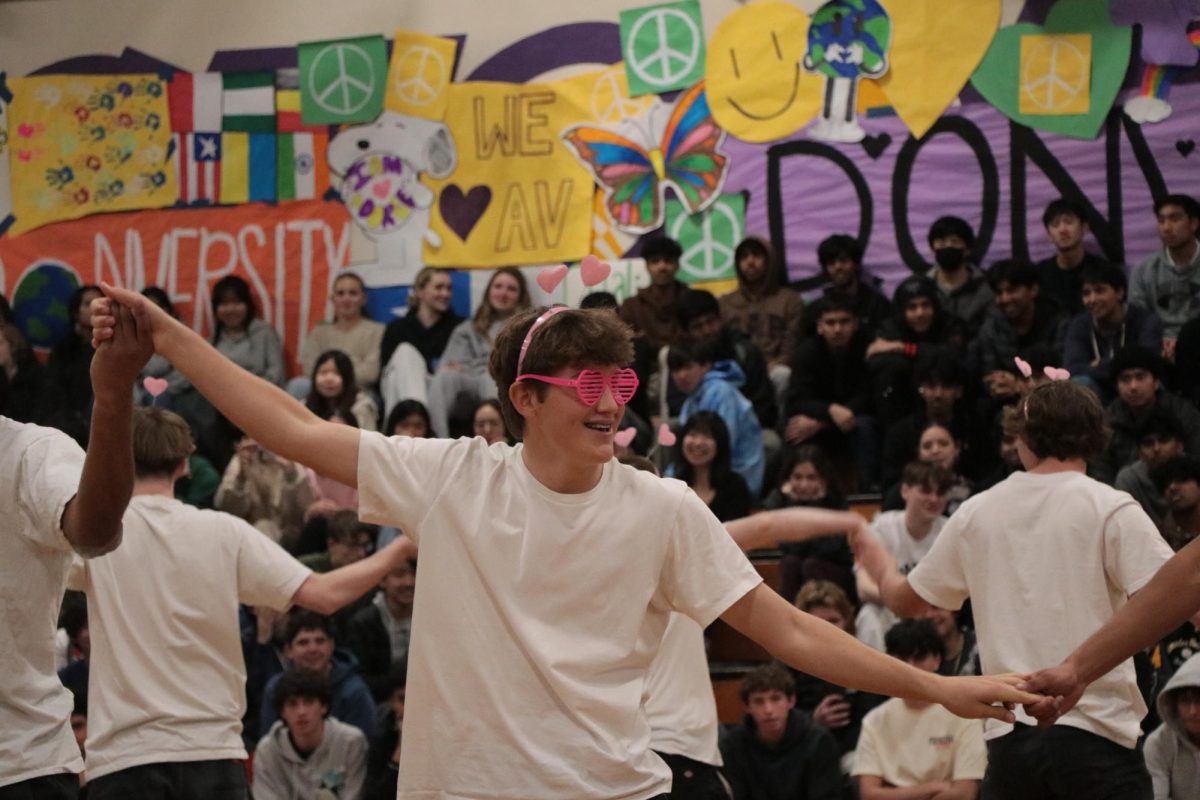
(517, 196)
(84, 144)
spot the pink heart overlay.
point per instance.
(593, 271)
(1024, 367)
(155, 386)
(1056, 374)
(625, 437)
(381, 189)
(665, 437)
(551, 277)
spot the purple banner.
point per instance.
(975, 164)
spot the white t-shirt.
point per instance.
(679, 698)
(874, 620)
(167, 678)
(907, 746)
(1047, 560)
(39, 474)
(538, 615)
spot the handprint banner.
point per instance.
(85, 144)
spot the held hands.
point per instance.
(1061, 689)
(123, 350)
(987, 697)
(118, 304)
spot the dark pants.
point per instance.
(177, 780)
(694, 780)
(64, 786)
(1063, 762)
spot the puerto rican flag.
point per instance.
(198, 167)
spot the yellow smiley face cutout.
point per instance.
(757, 88)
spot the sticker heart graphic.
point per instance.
(665, 437)
(25, 130)
(381, 189)
(999, 76)
(1185, 147)
(625, 438)
(874, 146)
(154, 386)
(593, 271)
(462, 211)
(936, 45)
(551, 277)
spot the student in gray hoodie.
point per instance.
(1168, 282)
(308, 755)
(1173, 751)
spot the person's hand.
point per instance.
(799, 428)
(147, 314)
(1001, 383)
(321, 508)
(842, 417)
(247, 452)
(987, 697)
(123, 351)
(883, 346)
(1061, 688)
(832, 712)
(941, 790)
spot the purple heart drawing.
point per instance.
(463, 211)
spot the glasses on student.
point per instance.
(589, 384)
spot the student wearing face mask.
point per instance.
(964, 290)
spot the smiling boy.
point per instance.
(556, 569)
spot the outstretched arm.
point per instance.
(818, 648)
(895, 592)
(265, 412)
(771, 528)
(92, 519)
(1155, 610)
(328, 592)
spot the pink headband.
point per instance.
(537, 323)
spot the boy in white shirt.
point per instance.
(556, 568)
(167, 678)
(55, 500)
(909, 750)
(1047, 556)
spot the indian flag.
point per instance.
(302, 169)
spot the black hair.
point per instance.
(691, 351)
(839, 246)
(1107, 273)
(599, 300)
(693, 304)
(1184, 201)
(910, 639)
(941, 368)
(912, 288)
(1012, 271)
(661, 248)
(302, 619)
(6, 314)
(945, 227)
(1063, 207)
(1161, 423)
(1180, 468)
(710, 423)
(75, 302)
(326, 407)
(405, 409)
(236, 286)
(831, 303)
(1137, 357)
(835, 496)
(302, 683)
(160, 298)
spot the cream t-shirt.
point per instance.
(1047, 560)
(874, 620)
(537, 616)
(679, 698)
(39, 474)
(167, 678)
(906, 746)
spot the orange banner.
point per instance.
(288, 253)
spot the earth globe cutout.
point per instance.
(39, 303)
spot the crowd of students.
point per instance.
(775, 405)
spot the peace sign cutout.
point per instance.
(342, 77)
(653, 56)
(421, 76)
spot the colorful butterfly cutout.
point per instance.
(634, 175)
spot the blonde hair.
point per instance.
(828, 594)
(486, 315)
(423, 277)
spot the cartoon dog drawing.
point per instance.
(380, 165)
